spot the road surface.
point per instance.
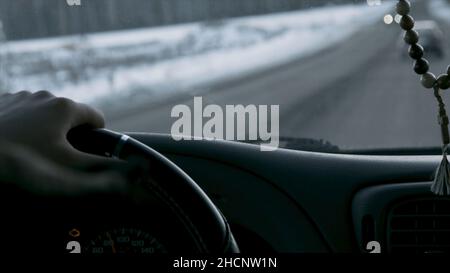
(358, 94)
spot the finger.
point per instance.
(78, 113)
(87, 115)
(63, 153)
(35, 174)
(133, 169)
(89, 162)
(12, 99)
(5, 95)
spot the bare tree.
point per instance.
(42, 18)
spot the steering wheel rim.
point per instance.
(206, 224)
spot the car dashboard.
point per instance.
(290, 201)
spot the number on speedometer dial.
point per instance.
(125, 241)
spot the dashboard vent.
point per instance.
(419, 226)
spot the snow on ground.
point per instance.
(440, 9)
(161, 60)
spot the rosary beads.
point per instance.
(416, 51)
(441, 182)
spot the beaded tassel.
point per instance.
(441, 182)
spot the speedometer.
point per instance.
(125, 241)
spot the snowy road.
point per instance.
(357, 94)
(156, 62)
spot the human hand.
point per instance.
(40, 122)
(35, 153)
(26, 170)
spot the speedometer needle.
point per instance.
(113, 247)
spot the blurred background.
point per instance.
(53, 18)
(338, 68)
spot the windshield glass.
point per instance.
(338, 70)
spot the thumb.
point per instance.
(36, 174)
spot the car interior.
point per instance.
(315, 202)
(286, 201)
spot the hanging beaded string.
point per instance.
(441, 183)
(421, 65)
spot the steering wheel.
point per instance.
(197, 217)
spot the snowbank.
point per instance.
(162, 60)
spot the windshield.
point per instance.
(338, 70)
